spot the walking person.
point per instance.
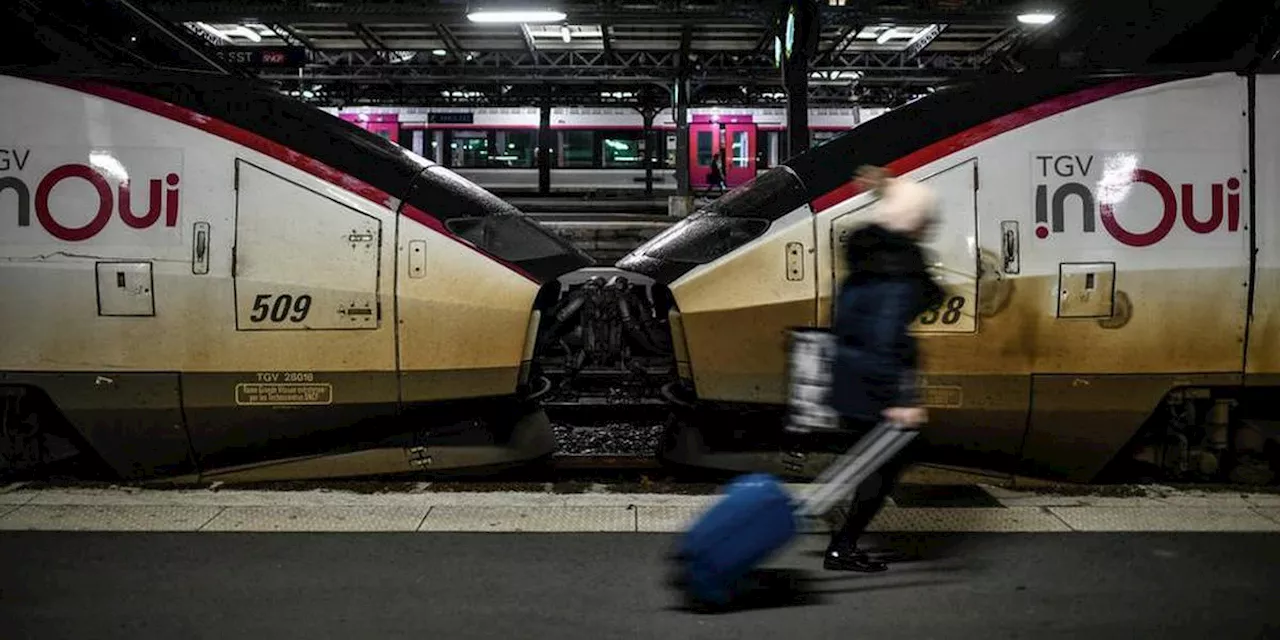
(715, 176)
(873, 375)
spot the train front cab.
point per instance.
(1086, 300)
(291, 296)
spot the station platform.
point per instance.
(124, 562)
(432, 507)
(427, 560)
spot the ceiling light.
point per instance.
(439, 52)
(564, 33)
(1036, 18)
(515, 16)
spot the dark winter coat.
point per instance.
(876, 357)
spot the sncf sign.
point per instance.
(1140, 199)
(81, 195)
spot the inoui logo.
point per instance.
(75, 196)
(1100, 184)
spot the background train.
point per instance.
(200, 275)
(1110, 245)
(596, 149)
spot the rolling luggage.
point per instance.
(757, 517)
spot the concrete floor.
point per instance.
(610, 585)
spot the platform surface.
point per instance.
(595, 586)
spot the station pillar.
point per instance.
(650, 150)
(798, 31)
(680, 97)
(546, 140)
(681, 204)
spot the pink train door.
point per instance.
(386, 125)
(704, 144)
(709, 135)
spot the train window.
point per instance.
(510, 237)
(576, 149)
(704, 238)
(704, 148)
(470, 149)
(770, 196)
(741, 149)
(621, 150)
(514, 149)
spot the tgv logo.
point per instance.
(1101, 185)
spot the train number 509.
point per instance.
(284, 307)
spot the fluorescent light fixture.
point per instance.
(1036, 18)
(439, 52)
(523, 17)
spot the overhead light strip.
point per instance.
(515, 17)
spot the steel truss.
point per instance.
(522, 67)
(641, 97)
(664, 12)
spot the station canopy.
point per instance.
(349, 52)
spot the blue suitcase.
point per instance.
(757, 517)
(754, 519)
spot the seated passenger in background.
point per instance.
(873, 373)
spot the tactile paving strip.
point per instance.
(343, 518)
(961, 519)
(107, 518)
(1163, 519)
(558, 519)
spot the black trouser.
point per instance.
(871, 494)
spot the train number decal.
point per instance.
(280, 308)
(948, 312)
(955, 315)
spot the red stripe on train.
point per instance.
(985, 131)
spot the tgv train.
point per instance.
(596, 149)
(1111, 248)
(200, 275)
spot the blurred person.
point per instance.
(873, 375)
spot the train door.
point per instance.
(312, 349)
(704, 145)
(740, 158)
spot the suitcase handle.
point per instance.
(851, 469)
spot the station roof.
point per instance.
(606, 51)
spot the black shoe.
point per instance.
(852, 561)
